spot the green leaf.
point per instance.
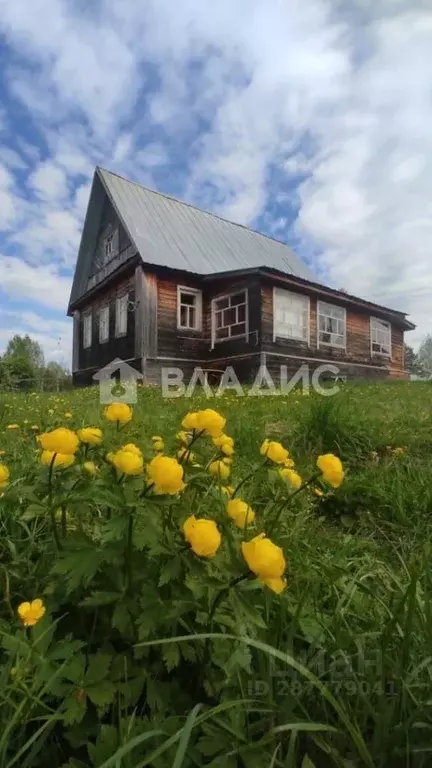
(75, 668)
(307, 762)
(102, 694)
(106, 745)
(96, 599)
(121, 619)
(171, 657)
(171, 570)
(98, 668)
(74, 709)
(32, 511)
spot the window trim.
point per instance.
(388, 354)
(87, 317)
(326, 343)
(296, 295)
(244, 335)
(105, 308)
(124, 297)
(198, 307)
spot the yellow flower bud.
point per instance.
(274, 451)
(219, 469)
(90, 435)
(240, 512)
(331, 468)
(266, 560)
(121, 412)
(166, 474)
(291, 477)
(127, 462)
(202, 535)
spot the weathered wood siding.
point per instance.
(99, 354)
(173, 342)
(356, 361)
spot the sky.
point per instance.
(309, 120)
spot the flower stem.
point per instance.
(288, 501)
(63, 521)
(51, 508)
(128, 555)
(245, 479)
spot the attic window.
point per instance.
(109, 246)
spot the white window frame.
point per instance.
(320, 306)
(104, 324)
(198, 308)
(120, 328)
(389, 328)
(280, 333)
(87, 330)
(244, 335)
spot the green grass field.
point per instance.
(149, 655)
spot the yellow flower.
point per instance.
(34, 426)
(90, 435)
(211, 421)
(121, 412)
(132, 448)
(292, 477)
(158, 444)
(90, 467)
(4, 476)
(274, 451)
(227, 489)
(223, 440)
(166, 474)
(240, 512)
(398, 451)
(266, 560)
(289, 463)
(68, 415)
(31, 613)
(219, 469)
(185, 455)
(227, 460)
(127, 462)
(190, 421)
(110, 456)
(182, 436)
(318, 492)
(13, 426)
(202, 535)
(331, 468)
(60, 440)
(61, 459)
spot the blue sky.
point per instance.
(304, 120)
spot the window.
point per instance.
(380, 337)
(121, 315)
(189, 308)
(87, 330)
(290, 315)
(331, 325)
(229, 316)
(110, 245)
(104, 324)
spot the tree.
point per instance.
(412, 364)
(56, 377)
(25, 347)
(424, 355)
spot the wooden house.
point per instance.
(160, 283)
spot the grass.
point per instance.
(335, 672)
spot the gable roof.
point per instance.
(170, 233)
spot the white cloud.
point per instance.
(49, 181)
(40, 284)
(7, 200)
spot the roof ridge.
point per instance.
(196, 208)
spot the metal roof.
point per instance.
(170, 233)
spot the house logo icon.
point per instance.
(117, 374)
